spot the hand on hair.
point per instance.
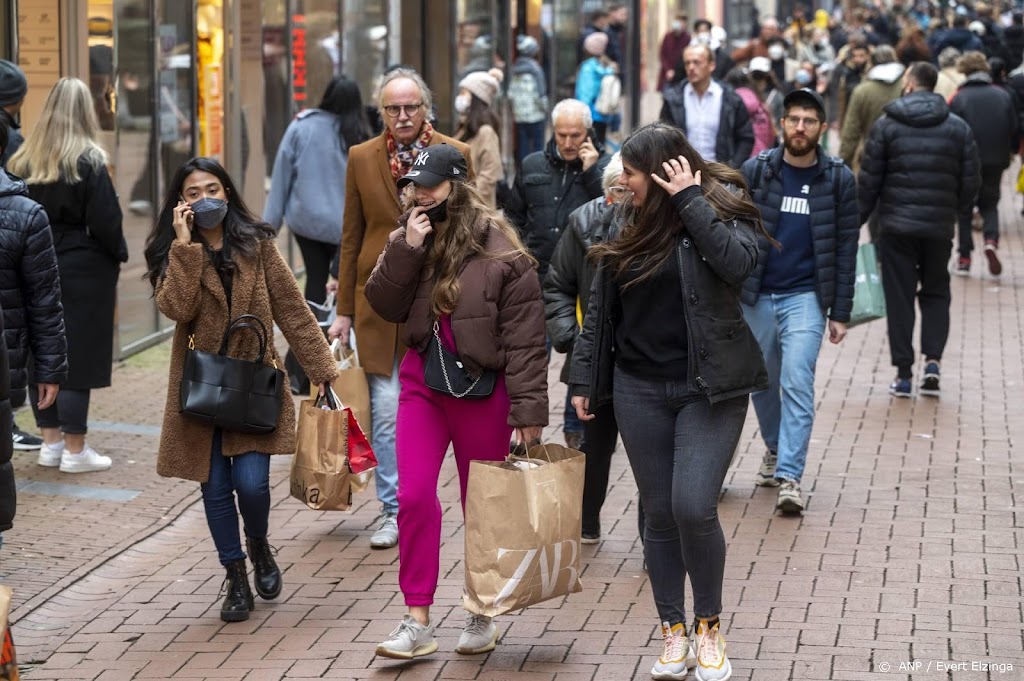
(679, 176)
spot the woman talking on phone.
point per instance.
(457, 276)
(665, 341)
(210, 260)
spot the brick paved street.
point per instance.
(911, 550)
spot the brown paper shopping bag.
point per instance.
(523, 521)
(352, 387)
(321, 477)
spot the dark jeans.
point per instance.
(70, 412)
(600, 436)
(317, 257)
(246, 476)
(529, 138)
(907, 261)
(988, 206)
(679, 446)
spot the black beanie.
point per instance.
(13, 85)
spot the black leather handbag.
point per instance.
(240, 395)
(445, 373)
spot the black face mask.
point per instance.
(208, 213)
(437, 213)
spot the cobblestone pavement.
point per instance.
(907, 562)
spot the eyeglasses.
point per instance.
(617, 192)
(410, 110)
(795, 121)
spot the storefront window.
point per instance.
(365, 42)
(6, 30)
(475, 39)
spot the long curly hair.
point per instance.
(459, 240)
(650, 230)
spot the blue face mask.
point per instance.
(803, 78)
(208, 213)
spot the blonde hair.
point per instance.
(459, 241)
(65, 132)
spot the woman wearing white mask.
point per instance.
(478, 127)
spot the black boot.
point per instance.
(266, 575)
(239, 601)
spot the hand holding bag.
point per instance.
(523, 522)
(445, 373)
(351, 385)
(239, 395)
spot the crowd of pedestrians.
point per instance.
(696, 270)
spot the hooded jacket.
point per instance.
(735, 138)
(992, 115)
(29, 288)
(920, 168)
(547, 189)
(881, 85)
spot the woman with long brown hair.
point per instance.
(665, 341)
(466, 289)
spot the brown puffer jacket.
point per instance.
(498, 320)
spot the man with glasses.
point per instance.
(372, 209)
(808, 202)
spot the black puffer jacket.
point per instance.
(715, 257)
(571, 274)
(920, 168)
(735, 138)
(8, 495)
(835, 228)
(546, 190)
(990, 111)
(29, 288)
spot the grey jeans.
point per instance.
(679, 446)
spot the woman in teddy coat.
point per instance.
(210, 261)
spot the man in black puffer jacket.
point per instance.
(8, 496)
(29, 293)
(921, 170)
(555, 182)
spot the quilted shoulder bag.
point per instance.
(235, 394)
(445, 373)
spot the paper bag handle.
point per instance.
(526, 457)
(336, 345)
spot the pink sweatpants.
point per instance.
(428, 422)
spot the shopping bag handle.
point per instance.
(525, 448)
(330, 397)
(336, 345)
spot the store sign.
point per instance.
(214, 101)
(299, 60)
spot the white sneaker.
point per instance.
(712, 662)
(386, 535)
(409, 639)
(677, 657)
(86, 461)
(479, 636)
(50, 455)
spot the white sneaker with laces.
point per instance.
(386, 535)
(677, 656)
(712, 664)
(86, 461)
(479, 636)
(50, 455)
(409, 639)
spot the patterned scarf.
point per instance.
(401, 156)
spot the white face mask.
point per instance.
(776, 52)
(702, 38)
(677, 25)
(462, 103)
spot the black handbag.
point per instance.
(445, 373)
(240, 395)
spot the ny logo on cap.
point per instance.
(421, 159)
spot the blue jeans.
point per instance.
(789, 328)
(572, 423)
(530, 138)
(679, 447)
(384, 415)
(246, 476)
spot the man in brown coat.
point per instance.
(372, 209)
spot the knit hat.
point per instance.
(595, 43)
(527, 46)
(13, 85)
(481, 84)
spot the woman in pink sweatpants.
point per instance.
(457, 276)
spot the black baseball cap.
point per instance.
(434, 165)
(807, 98)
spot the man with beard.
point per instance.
(808, 202)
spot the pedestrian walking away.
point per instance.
(808, 201)
(920, 171)
(210, 260)
(306, 188)
(372, 209)
(66, 171)
(666, 298)
(458, 278)
(566, 294)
